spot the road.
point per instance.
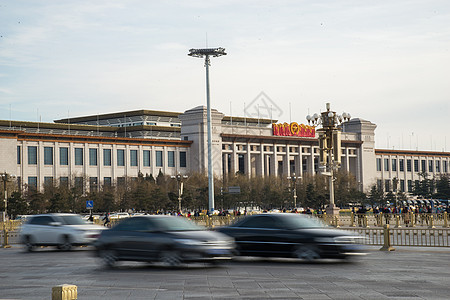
(407, 273)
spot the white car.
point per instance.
(61, 230)
(121, 215)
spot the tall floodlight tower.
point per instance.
(207, 53)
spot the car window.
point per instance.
(135, 224)
(41, 220)
(293, 221)
(72, 220)
(175, 224)
(259, 222)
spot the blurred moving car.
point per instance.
(168, 239)
(61, 230)
(291, 235)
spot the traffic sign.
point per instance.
(89, 204)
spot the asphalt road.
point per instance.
(407, 273)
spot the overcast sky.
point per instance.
(384, 61)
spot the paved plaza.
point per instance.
(407, 273)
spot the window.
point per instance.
(182, 159)
(135, 224)
(379, 184)
(120, 157)
(378, 164)
(107, 181)
(120, 181)
(48, 182)
(410, 188)
(444, 166)
(424, 164)
(159, 158)
(32, 182)
(64, 181)
(42, 220)
(394, 164)
(430, 166)
(408, 165)
(438, 166)
(133, 158)
(146, 154)
(18, 155)
(416, 165)
(171, 158)
(401, 165)
(48, 155)
(64, 156)
(260, 222)
(107, 157)
(93, 183)
(78, 156)
(79, 183)
(402, 185)
(32, 155)
(387, 185)
(386, 164)
(92, 157)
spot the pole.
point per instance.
(331, 178)
(210, 166)
(179, 192)
(5, 213)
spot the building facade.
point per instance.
(408, 167)
(106, 149)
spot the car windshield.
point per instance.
(176, 224)
(72, 220)
(293, 221)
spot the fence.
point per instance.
(425, 230)
(423, 237)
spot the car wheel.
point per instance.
(170, 258)
(29, 246)
(65, 245)
(108, 257)
(307, 252)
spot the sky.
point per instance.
(386, 61)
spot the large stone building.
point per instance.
(107, 148)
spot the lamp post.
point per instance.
(206, 53)
(5, 178)
(330, 146)
(293, 178)
(179, 179)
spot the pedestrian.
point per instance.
(106, 219)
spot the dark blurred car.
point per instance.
(61, 230)
(167, 239)
(291, 235)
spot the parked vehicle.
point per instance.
(61, 230)
(168, 239)
(291, 235)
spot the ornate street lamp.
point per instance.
(206, 53)
(179, 179)
(330, 145)
(5, 177)
(293, 178)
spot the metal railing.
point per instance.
(425, 230)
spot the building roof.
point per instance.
(411, 152)
(132, 113)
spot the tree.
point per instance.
(17, 205)
(443, 187)
(375, 196)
